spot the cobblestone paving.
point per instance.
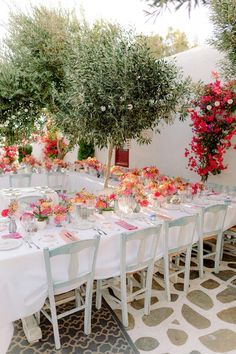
(203, 322)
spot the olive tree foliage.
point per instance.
(117, 89)
(223, 17)
(157, 6)
(32, 75)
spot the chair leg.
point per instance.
(218, 252)
(187, 268)
(99, 294)
(148, 292)
(200, 257)
(88, 308)
(55, 326)
(124, 307)
(37, 316)
(166, 276)
(222, 247)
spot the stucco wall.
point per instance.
(167, 148)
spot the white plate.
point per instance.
(29, 190)
(9, 244)
(84, 225)
(171, 206)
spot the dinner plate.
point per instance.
(171, 206)
(49, 241)
(9, 244)
(29, 190)
(84, 225)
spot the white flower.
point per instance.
(26, 110)
(13, 117)
(6, 123)
(217, 103)
(230, 101)
(103, 108)
(130, 106)
(198, 109)
(122, 99)
(18, 113)
(151, 102)
(209, 107)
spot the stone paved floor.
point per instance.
(203, 322)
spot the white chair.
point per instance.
(137, 253)
(178, 239)
(20, 180)
(81, 255)
(57, 180)
(211, 225)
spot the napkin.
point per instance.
(14, 235)
(125, 225)
(163, 217)
(68, 236)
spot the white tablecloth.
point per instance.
(75, 181)
(23, 286)
(6, 195)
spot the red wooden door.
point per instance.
(122, 157)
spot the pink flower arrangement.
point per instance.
(48, 165)
(11, 210)
(103, 203)
(150, 172)
(131, 186)
(42, 209)
(83, 197)
(31, 161)
(93, 163)
(60, 163)
(117, 171)
(60, 212)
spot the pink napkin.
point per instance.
(125, 225)
(68, 236)
(12, 235)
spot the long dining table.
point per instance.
(23, 283)
(74, 181)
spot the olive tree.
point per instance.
(117, 89)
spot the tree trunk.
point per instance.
(108, 165)
(204, 178)
(61, 154)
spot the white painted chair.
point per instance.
(57, 180)
(20, 180)
(178, 239)
(142, 244)
(77, 252)
(214, 216)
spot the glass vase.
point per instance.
(12, 225)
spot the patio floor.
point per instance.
(203, 322)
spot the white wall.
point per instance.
(167, 148)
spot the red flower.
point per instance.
(5, 212)
(213, 127)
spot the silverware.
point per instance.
(32, 243)
(100, 231)
(27, 242)
(103, 231)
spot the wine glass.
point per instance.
(29, 225)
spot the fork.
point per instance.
(27, 242)
(101, 232)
